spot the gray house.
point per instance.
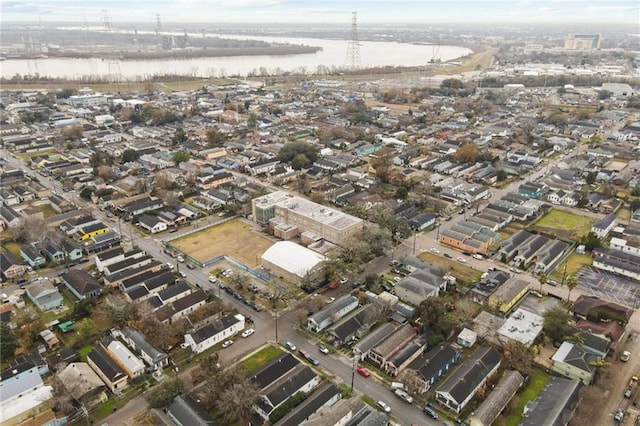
(31, 254)
(333, 312)
(81, 284)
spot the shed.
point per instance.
(467, 338)
(66, 326)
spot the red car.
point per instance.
(333, 285)
(363, 371)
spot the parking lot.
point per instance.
(609, 286)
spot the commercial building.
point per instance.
(289, 216)
(582, 41)
(292, 262)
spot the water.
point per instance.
(332, 56)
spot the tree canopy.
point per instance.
(467, 153)
(299, 154)
(129, 155)
(180, 157)
(556, 323)
(8, 342)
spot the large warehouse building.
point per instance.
(291, 261)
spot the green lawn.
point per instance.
(537, 382)
(84, 351)
(462, 272)
(574, 263)
(260, 358)
(13, 248)
(564, 224)
(47, 210)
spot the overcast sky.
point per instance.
(325, 11)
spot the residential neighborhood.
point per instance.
(324, 250)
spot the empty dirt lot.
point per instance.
(234, 238)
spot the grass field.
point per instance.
(233, 238)
(537, 382)
(564, 224)
(457, 269)
(13, 248)
(260, 358)
(574, 263)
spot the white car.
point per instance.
(331, 300)
(344, 280)
(228, 272)
(434, 250)
(384, 407)
(248, 332)
(227, 343)
(625, 356)
(478, 256)
(461, 259)
(180, 259)
(290, 346)
(170, 265)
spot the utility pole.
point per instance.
(356, 353)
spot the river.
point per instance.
(332, 55)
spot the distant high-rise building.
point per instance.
(583, 41)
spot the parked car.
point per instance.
(183, 274)
(628, 392)
(434, 250)
(383, 406)
(344, 280)
(248, 332)
(331, 300)
(227, 343)
(461, 259)
(212, 279)
(363, 371)
(323, 349)
(290, 346)
(478, 256)
(625, 356)
(447, 255)
(180, 259)
(466, 253)
(313, 361)
(429, 411)
(404, 396)
(619, 415)
(190, 266)
(170, 265)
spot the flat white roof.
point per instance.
(292, 257)
(522, 326)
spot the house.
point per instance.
(624, 263)
(461, 386)
(588, 308)
(549, 255)
(324, 397)
(354, 326)
(508, 294)
(299, 379)
(44, 295)
(574, 362)
(418, 286)
(83, 384)
(498, 399)
(186, 411)
(372, 340)
(595, 343)
(405, 355)
(130, 364)
(215, 332)
(31, 254)
(22, 391)
(154, 358)
(331, 313)
(391, 345)
(111, 374)
(54, 252)
(35, 358)
(522, 326)
(604, 225)
(430, 367)
(152, 224)
(82, 284)
(10, 267)
(556, 403)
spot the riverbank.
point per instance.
(177, 53)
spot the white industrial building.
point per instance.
(291, 261)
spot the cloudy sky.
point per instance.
(325, 11)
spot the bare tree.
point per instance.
(237, 400)
(31, 229)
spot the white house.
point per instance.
(216, 332)
(603, 226)
(152, 224)
(22, 389)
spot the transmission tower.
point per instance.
(114, 73)
(352, 60)
(158, 26)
